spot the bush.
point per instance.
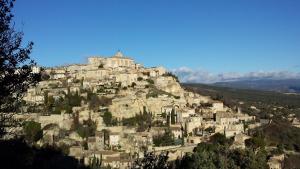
(177, 97)
(33, 131)
(166, 139)
(107, 118)
(133, 84)
(150, 81)
(220, 139)
(45, 76)
(172, 75)
(86, 130)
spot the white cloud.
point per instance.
(186, 74)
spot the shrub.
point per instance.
(139, 78)
(166, 139)
(107, 118)
(33, 131)
(133, 84)
(172, 75)
(150, 81)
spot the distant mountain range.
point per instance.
(284, 86)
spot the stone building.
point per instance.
(118, 60)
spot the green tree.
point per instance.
(219, 138)
(95, 163)
(152, 161)
(87, 129)
(107, 118)
(15, 67)
(106, 135)
(255, 142)
(33, 131)
(165, 139)
(94, 102)
(173, 116)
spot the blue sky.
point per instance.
(212, 35)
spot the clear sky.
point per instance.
(213, 35)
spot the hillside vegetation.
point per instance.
(265, 102)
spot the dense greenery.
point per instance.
(152, 161)
(292, 162)
(212, 155)
(165, 139)
(107, 118)
(255, 142)
(150, 81)
(33, 131)
(84, 130)
(70, 100)
(55, 106)
(280, 132)
(142, 121)
(95, 101)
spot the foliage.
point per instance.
(33, 131)
(139, 78)
(73, 99)
(292, 161)
(96, 101)
(173, 116)
(166, 139)
(210, 130)
(15, 67)
(87, 129)
(177, 97)
(290, 138)
(17, 154)
(100, 66)
(221, 139)
(172, 75)
(133, 84)
(150, 81)
(107, 118)
(267, 103)
(146, 73)
(262, 100)
(209, 156)
(143, 121)
(106, 135)
(45, 76)
(213, 156)
(95, 163)
(152, 161)
(255, 142)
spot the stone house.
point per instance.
(176, 131)
(217, 106)
(276, 162)
(192, 123)
(76, 151)
(114, 139)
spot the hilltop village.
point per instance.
(114, 110)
